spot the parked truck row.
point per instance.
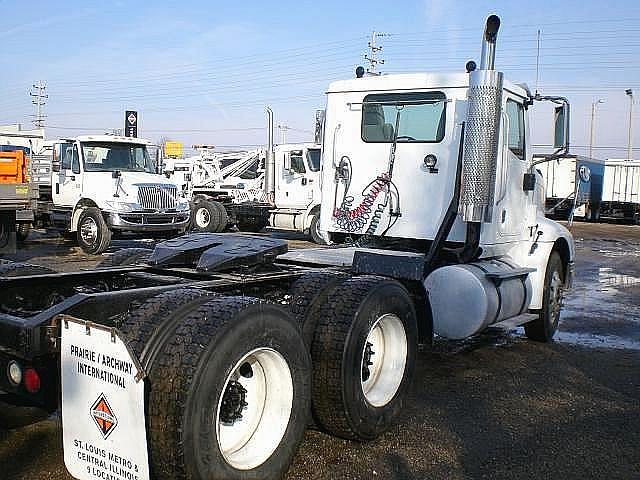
(278, 185)
(206, 357)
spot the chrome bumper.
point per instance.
(148, 222)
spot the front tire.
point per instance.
(93, 234)
(229, 394)
(314, 230)
(363, 353)
(544, 327)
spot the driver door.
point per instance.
(294, 187)
(67, 188)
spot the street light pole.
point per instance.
(593, 121)
(629, 92)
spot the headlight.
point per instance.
(182, 205)
(121, 206)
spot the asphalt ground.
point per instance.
(494, 406)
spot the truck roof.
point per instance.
(110, 138)
(413, 81)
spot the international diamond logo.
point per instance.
(103, 416)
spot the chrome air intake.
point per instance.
(482, 133)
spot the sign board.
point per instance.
(103, 424)
(131, 123)
(173, 149)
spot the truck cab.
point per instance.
(442, 164)
(102, 184)
(297, 188)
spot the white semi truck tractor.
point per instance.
(105, 185)
(205, 357)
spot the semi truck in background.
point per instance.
(573, 186)
(621, 192)
(233, 188)
(232, 340)
(94, 187)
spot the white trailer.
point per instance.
(572, 186)
(621, 191)
(205, 360)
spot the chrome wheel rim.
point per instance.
(89, 231)
(384, 359)
(203, 218)
(555, 296)
(254, 410)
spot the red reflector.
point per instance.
(31, 380)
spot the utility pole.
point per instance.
(629, 92)
(283, 133)
(39, 102)
(593, 121)
(372, 57)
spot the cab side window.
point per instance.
(67, 156)
(515, 135)
(297, 163)
(75, 160)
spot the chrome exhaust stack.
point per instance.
(270, 160)
(482, 132)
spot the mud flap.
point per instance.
(103, 419)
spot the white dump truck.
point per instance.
(95, 186)
(232, 188)
(205, 357)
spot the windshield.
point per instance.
(107, 157)
(313, 157)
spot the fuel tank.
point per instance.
(467, 298)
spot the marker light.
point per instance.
(430, 161)
(14, 372)
(31, 380)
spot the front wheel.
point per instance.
(314, 230)
(544, 327)
(93, 234)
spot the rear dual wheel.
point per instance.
(363, 349)
(229, 389)
(209, 216)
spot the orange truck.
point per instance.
(17, 199)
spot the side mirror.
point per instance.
(561, 127)
(287, 161)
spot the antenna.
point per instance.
(372, 57)
(537, 62)
(39, 102)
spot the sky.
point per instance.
(203, 71)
